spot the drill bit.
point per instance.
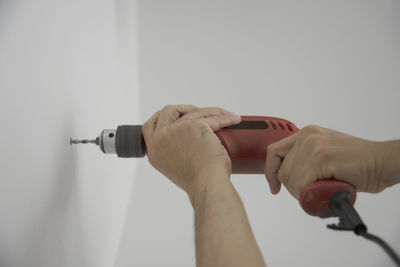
(83, 141)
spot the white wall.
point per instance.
(67, 69)
(331, 63)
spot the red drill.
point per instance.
(246, 144)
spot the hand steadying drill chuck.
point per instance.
(246, 144)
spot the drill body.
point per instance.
(246, 144)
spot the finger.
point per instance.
(286, 174)
(275, 154)
(205, 112)
(149, 126)
(218, 122)
(273, 182)
(297, 185)
(170, 114)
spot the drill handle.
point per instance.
(314, 199)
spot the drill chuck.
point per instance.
(126, 141)
(129, 141)
(106, 141)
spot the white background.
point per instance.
(73, 68)
(67, 69)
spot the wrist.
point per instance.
(208, 179)
(390, 162)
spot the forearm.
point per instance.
(223, 233)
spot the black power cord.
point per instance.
(340, 206)
(383, 245)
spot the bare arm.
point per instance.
(223, 233)
(182, 145)
(316, 152)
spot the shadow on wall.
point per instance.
(56, 238)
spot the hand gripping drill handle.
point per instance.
(246, 144)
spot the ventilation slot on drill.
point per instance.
(289, 127)
(281, 125)
(273, 124)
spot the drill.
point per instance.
(246, 144)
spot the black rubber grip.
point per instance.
(129, 141)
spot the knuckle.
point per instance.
(202, 122)
(195, 113)
(216, 123)
(311, 129)
(175, 114)
(203, 127)
(170, 111)
(271, 148)
(311, 140)
(224, 119)
(270, 155)
(167, 107)
(315, 140)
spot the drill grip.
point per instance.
(246, 145)
(314, 199)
